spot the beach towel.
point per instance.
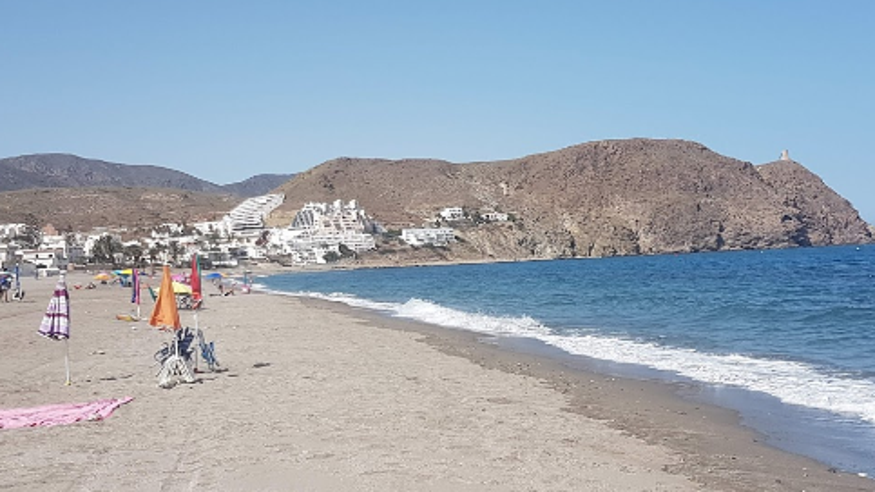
(61, 414)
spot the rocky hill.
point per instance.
(80, 209)
(617, 197)
(827, 218)
(70, 171)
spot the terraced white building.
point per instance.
(249, 216)
(322, 227)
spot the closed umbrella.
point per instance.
(164, 313)
(166, 316)
(56, 322)
(195, 279)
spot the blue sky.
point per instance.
(224, 90)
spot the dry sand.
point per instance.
(322, 397)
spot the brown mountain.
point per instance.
(826, 216)
(615, 197)
(80, 209)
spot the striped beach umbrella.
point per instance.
(56, 322)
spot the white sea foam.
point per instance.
(792, 382)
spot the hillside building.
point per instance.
(250, 215)
(319, 228)
(452, 213)
(438, 236)
(494, 216)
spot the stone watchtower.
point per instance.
(785, 155)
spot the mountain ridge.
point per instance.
(59, 170)
(603, 198)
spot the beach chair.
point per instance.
(208, 352)
(183, 301)
(181, 346)
(176, 359)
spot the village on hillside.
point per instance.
(319, 233)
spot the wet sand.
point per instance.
(319, 396)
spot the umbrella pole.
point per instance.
(67, 360)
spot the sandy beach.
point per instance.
(321, 397)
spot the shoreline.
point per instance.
(717, 449)
(813, 432)
(321, 396)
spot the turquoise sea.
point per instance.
(786, 337)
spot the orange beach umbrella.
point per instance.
(164, 314)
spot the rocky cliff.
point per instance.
(617, 197)
(827, 218)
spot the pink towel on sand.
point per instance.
(61, 414)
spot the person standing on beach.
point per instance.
(5, 286)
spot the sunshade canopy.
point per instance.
(178, 288)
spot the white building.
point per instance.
(494, 216)
(12, 230)
(71, 250)
(219, 227)
(250, 214)
(439, 236)
(319, 228)
(167, 230)
(42, 258)
(452, 213)
(53, 242)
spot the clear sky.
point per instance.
(224, 90)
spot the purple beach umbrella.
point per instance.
(56, 322)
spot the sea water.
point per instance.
(786, 337)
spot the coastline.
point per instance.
(322, 396)
(716, 450)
